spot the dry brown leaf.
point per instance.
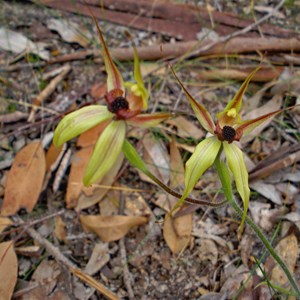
(90, 137)
(156, 158)
(99, 258)
(60, 229)
(264, 216)
(176, 166)
(80, 160)
(186, 128)
(208, 251)
(267, 190)
(287, 249)
(4, 222)
(25, 179)
(70, 31)
(47, 275)
(99, 90)
(52, 155)
(8, 270)
(111, 228)
(177, 232)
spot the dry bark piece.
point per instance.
(278, 160)
(111, 228)
(180, 21)
(8, 270)
(24, 180)
(265, 74)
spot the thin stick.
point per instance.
(55, 252)
(126, 274)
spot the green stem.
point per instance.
(268, 245)
(224, 177)
(187, 199)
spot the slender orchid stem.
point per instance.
(225, 180)
(188, 199)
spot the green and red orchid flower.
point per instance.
(228, 128)
(125, 102)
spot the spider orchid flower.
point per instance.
(125, 102)
(228, 128)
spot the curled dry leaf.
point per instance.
(25, 179)
(17, 43)
(186, 128)
(71, 32)
(111, 228)
(8, 270)
(177, 232)
(99, 258)
(156, 159)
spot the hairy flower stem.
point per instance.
(225, 180)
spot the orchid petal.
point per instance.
(202, 158)
(149, 120)
(106, 151)
(236, 164)
(201, 113)
(139, 79)
(114, 77)
(80, 121)
(230, 115)
(248, 125)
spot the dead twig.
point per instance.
(46, 92)
(55, 252)
(126, 274)
(282, 158)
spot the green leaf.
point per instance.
(236, 164)
(202, 158)
(80, 121)
(106, 151)
(200, 111)
(133, 157)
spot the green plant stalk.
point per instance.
(225, 180)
